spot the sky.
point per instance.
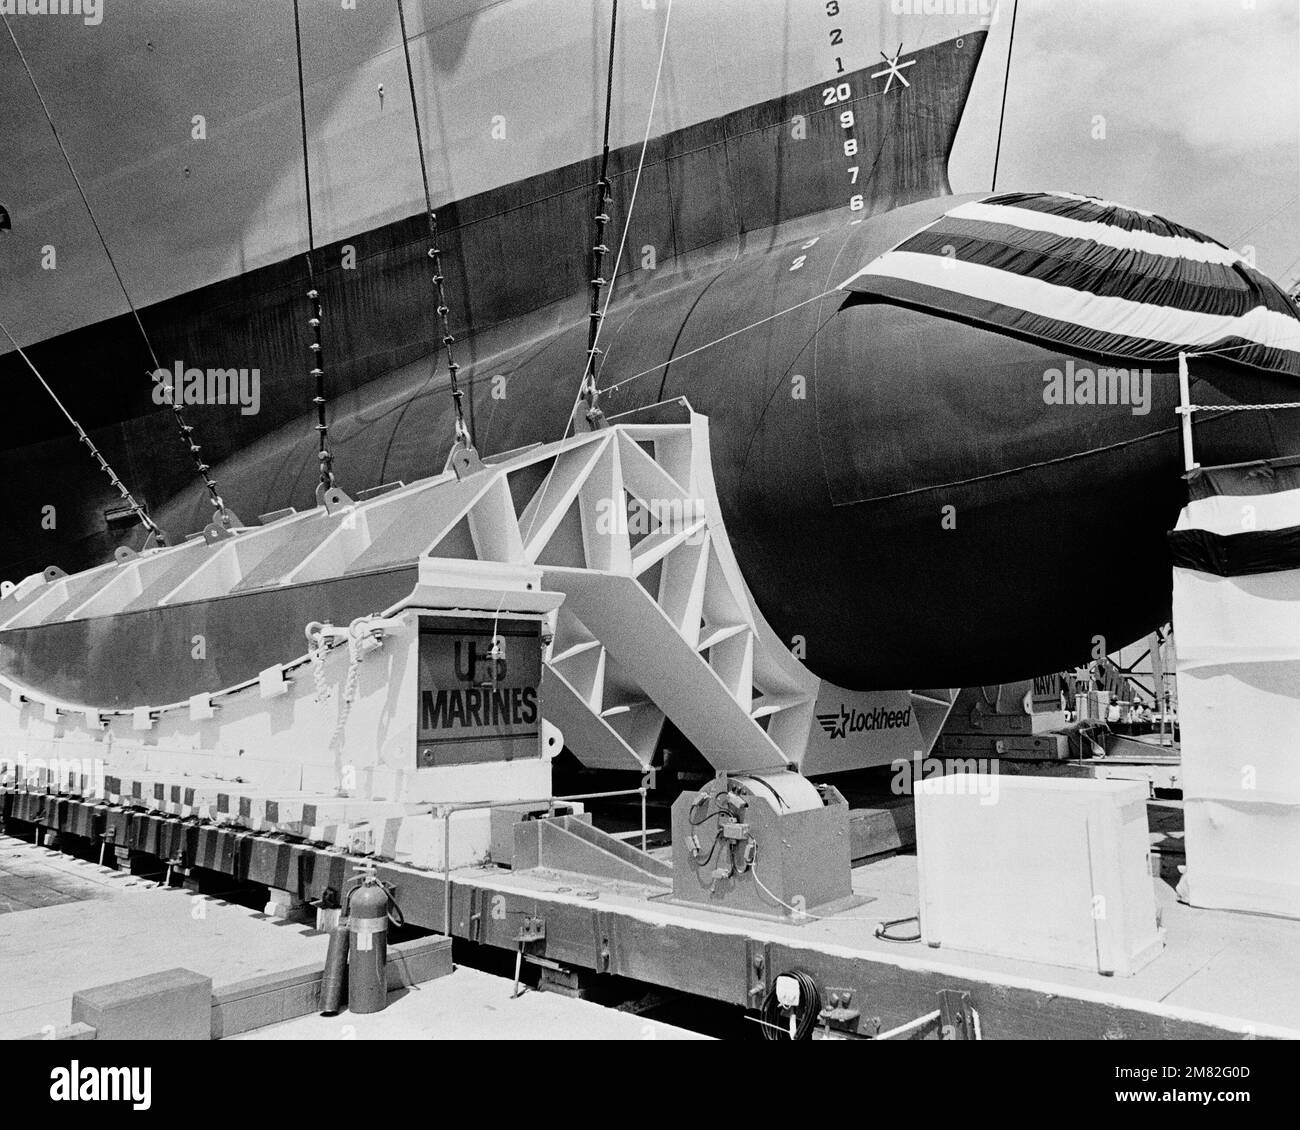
(1196, 104)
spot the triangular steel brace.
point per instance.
(333, 499)
(464, 459)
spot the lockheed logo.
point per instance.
(848, 721)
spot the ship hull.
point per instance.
(515, 257)
(906, 505)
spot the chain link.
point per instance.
(463, 436)
(313, 291)
(184, 430)
(604, 198)
(121, 488)
(1236, 407)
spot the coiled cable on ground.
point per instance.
(806, 1011)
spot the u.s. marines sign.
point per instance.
(478, 692)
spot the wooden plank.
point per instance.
(885, 827)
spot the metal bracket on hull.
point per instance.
(463, 459)
(214, 532)
(332, 498)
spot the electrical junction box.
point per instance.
(1043, 869)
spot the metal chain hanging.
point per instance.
(604, 198)
(464, 458)
(224, 518)
(148, 523)
(326, 491)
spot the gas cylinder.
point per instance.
(336, 968)
(368, 947)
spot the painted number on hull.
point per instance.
(802, 259)
(834, 96)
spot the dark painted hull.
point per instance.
(513, 255)
(835, 502)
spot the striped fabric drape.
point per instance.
(1090, 276)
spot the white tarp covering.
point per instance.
(1238, 644)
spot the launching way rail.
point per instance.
(594, 927)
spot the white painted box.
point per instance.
(1043, 869)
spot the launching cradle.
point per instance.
(403, 740)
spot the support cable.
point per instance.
(127, 497)
(604, 199)
(186, 431)
(313, 291)
(467, 458)
(1006, 80)
(636, 185)
(577, 402)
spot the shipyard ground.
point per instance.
(86, 926)
(67, 924)
(1221, 975)
(473, 1005)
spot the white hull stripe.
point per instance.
(1100, 202)
(1104, 271)
(1178, 247)
(1092, 209)
(1108, 315)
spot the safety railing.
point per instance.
(1186, 409)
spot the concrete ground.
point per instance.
(472, 1005)
(67, 925)
(31, 877)
(109, 926)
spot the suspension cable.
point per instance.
(604, 199)
(636, 186)
(1006, 82)
(184, 430)
(127, 497)
(462, 437)
(313, 291)
(573, 410)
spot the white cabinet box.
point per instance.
(1044, 869)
